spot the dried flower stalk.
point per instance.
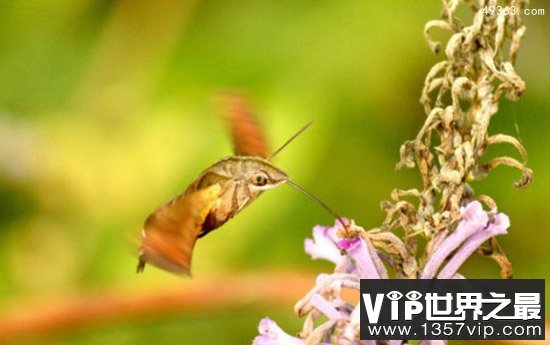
(460, 96)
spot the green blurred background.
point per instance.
(106, 111)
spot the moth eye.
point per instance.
(260, 180)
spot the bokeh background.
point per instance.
(106, 111)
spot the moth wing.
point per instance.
(247, 136)
(170, 233)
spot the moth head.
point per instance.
(264, 175)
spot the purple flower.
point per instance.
(325, 307)
(474, 229)
(366, 260)
(356, 258)
(498, 227)
(361, 258)
(272, 334)
(323, 245)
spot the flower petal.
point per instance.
(473, 212)
(358, 251)
(272, 334)
(474, 220)
(321, 304)
(498, 228)
(322, 246)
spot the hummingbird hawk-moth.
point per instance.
(215, 196)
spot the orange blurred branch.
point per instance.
(85, 310)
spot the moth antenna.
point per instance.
(320, 203)
(290, 140)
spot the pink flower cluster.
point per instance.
(357, 259)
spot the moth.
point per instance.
(219, 193)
